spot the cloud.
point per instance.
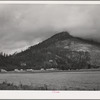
(24, 25)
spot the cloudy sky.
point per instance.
(24, 25)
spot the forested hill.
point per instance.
(59, 37)
(61, 51)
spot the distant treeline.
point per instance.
(58, 60)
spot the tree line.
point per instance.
(53, 59)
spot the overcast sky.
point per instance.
(25, 25)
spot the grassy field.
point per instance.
(89, 80)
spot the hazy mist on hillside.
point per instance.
(24, 25)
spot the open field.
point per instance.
(56, 80)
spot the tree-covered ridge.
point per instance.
(61, 51)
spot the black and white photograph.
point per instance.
(50, 47)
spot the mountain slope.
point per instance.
(61, 51)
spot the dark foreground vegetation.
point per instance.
(10, 86)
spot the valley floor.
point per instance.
(84, 80)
